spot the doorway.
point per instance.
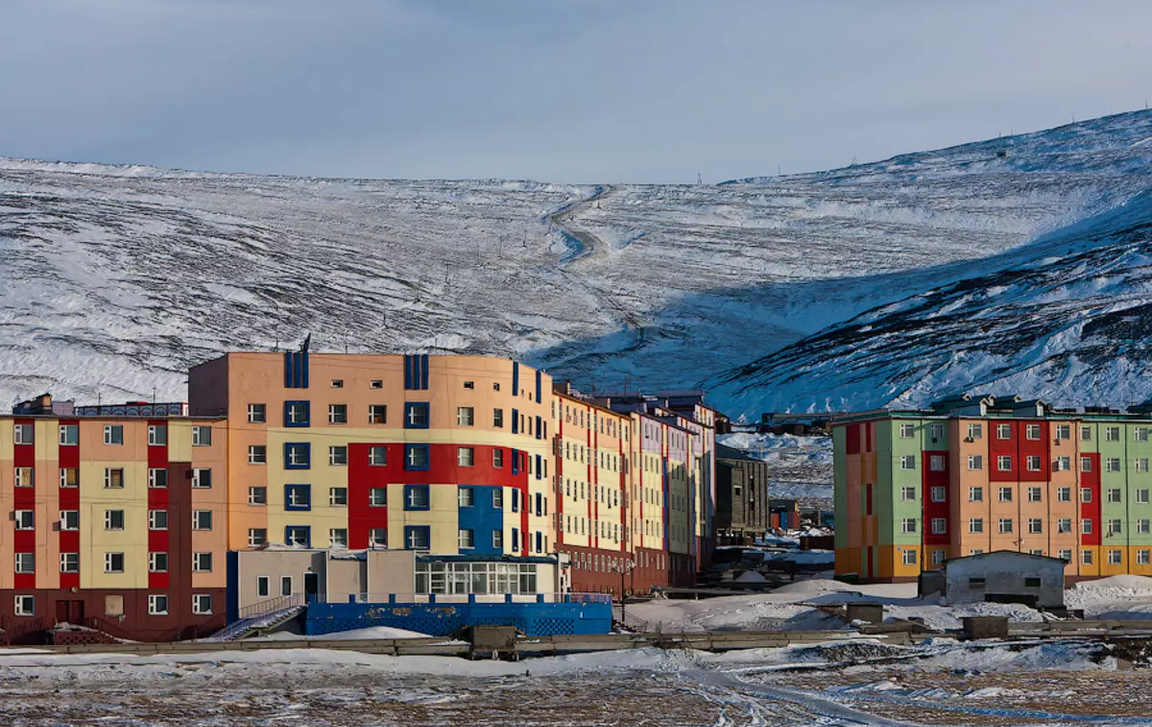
(311, 586)
(70, 612)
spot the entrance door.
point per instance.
(311, 586)
(70, 611)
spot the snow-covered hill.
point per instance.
(117, 278)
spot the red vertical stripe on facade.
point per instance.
(24, 498)
(69, 498)
(158, 540)
(852, 438)
(935, 510)
(1091, 510)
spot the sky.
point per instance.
(555, 90)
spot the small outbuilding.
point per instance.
(1005, 576)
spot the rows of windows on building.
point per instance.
(158, 604)
(1033, 432)
(1114, 556)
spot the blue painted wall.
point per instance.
(482, 518)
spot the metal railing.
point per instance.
(272, 605)
(391, 597)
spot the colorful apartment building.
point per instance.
(974, 475)
(131, 518)
(118, 520)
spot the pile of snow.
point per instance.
(1122, 596)
(372, 632)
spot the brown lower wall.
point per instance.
(88, 608)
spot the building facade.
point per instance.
(743, 508)
(973, 475)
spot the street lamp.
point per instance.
(624, 568)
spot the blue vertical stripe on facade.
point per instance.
(296, 370)
(539, 466)
(482, 519)
(424, 371)
(515, 465)
(232, 598)
(416, 371)
(539, 428)
(289, 376)
(304, 367)
(515, 421)
(664, 487)
(515, 378)
(539, 386)
(407, 372)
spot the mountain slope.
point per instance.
(117, 278)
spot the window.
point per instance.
(1033, 432)
(25, 477)
(975, 431)
(1113, 494)
(907, 494)
(1063, 494)
(338, 537)
(1033, 463)
(285, 585)
(113, 477)
(1086, 557)
(464, 416)
(1142, 557)
(909, 557)
(297, 455)
(113, 519)
(202, 436)
(69, 519)
(975, 582)
(202, 478)
(1113, 464)
(1114, 526)
(1086, 526)
(1005, 525)
(908, 462)
(258, 495)
(1064, 555)
(1085, 433)
(908, 525)
(262, 586)
(936, 431)
(415, 497)
(975, 494)
(469, 384)
(1004, 463)
(1003, 431)
(467, 538)
(939, 526)
(937, 463)
(976, 525)
(338, 456)
(25, 519)
(201, 519)
(157, 477)
(1064, 525)
(257, 454)
(939, 556)
(257, 413)
(1141, 464)
(415, 456)
(337, 383)
(939, 494)
(377, 455)
(1032, 582)
(1005, 494)
(69, 434)
(157, 519)
(416, 537)
(415, 415)
(69, 477)
(337, 413)
(201, 604)
(113, 562)
(69, 562)
(157, 562)
(465, 456)
(378, 538)
(1035, 525)
(1112, 434)
(1115, 556)
(498, 539)
(157, 605)
(25, 562)
(1063, 432)
(1139, 434)
(907, 431)
(1063, 464)
(1085, 464)
(113, 434)
(378, 497)
(497, 458)
(498, 418)
(298, 535)
(1143, 525)
(297, 413)
(975, 462)
(157, 435)
(377, 414)
(1085, 494)
(257, 537)
(466, 497)
(1035, 494)
(297, 497)
(498, 498)
(1142, 496)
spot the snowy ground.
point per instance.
(797, 606)
(858, 683)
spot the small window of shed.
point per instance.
(1031, 582)
(973, 582)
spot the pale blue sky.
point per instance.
(612, 90)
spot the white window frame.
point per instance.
(338, 455)
(198, 604)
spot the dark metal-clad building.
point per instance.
(742, 507)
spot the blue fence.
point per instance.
(572, 615)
